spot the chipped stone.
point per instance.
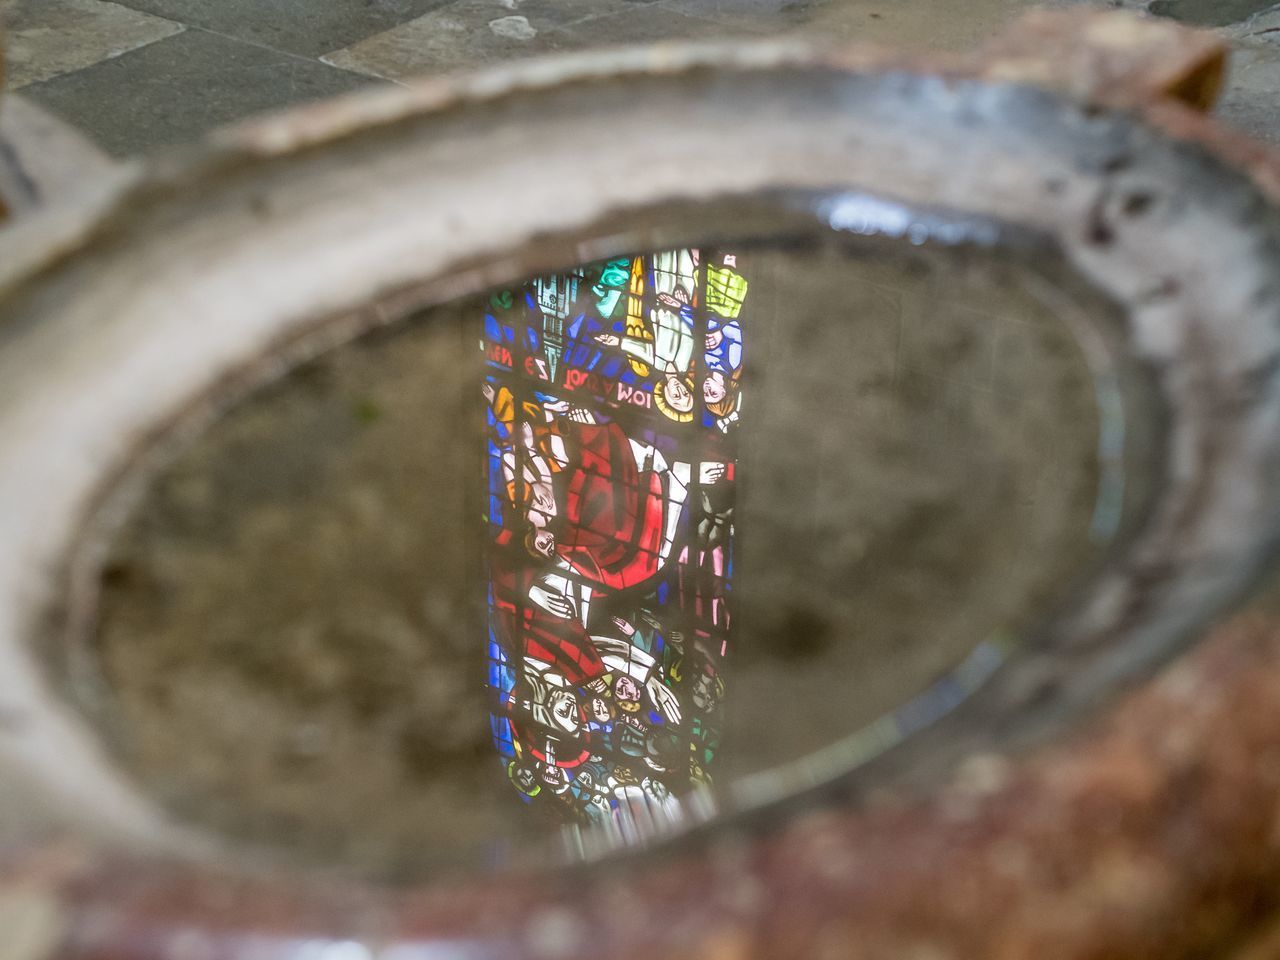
(513, 28)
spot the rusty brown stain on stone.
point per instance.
(1108, 56)
(1154, 832)
(33, 909)
(1150, 835)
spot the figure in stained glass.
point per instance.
(611, 517)
(666, 343)
(722, 360)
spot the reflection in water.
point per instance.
(614, 395)
(735, 524)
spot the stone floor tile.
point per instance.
(1209, 13)
(47, 38)
(305, 27)
(464, 34)
(946, 25)
(560, 13)
(174, 90)
(780, 15)
(475, 32)
(661, 22)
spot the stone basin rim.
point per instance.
(1148, 609)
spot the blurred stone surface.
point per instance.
(43, 159)
(1251, 100)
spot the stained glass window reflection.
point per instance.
(613, 396)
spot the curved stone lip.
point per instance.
(207, 263)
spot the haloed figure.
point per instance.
(673, 395)
(667, 343)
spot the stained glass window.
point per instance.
(613, 397)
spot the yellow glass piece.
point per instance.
(726, 291)
(638, 327)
